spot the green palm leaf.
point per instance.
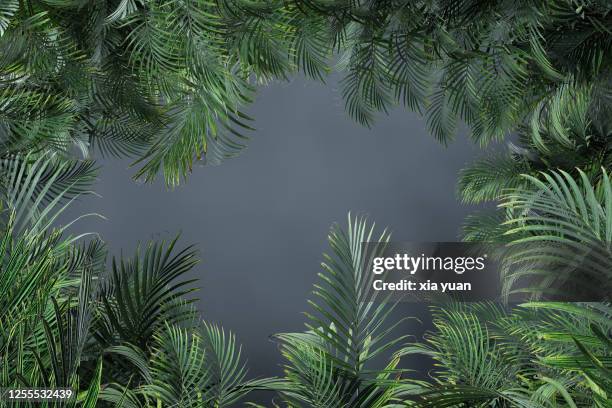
(145, 293)
(347, 329)
(561, 229)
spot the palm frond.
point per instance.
(347, 328)
(38, 189)
(178, 369)
(561, 230)
(144, 293)
(488, 178)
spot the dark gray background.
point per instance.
(261, 220)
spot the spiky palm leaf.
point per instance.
(46, 310)
(330, 363)
(561, 229)
(144, 293)
(160, 81)
(37, 189)
(532, 356)
(188, 368)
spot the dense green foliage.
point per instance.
(538, 354)
(127, 338)
(166, 83)
(125, 335)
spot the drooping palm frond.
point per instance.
(488, 178)
(365, 88)
(493, 65)
(312, 45)
(139, 78)
(37, 189)
(259, 35)
(561, 230)
(160, 81)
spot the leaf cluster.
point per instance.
(120, 337)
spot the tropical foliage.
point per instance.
(120, 337)
(129, 338)
(538, 354)
(166, 83)
(331, 365)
